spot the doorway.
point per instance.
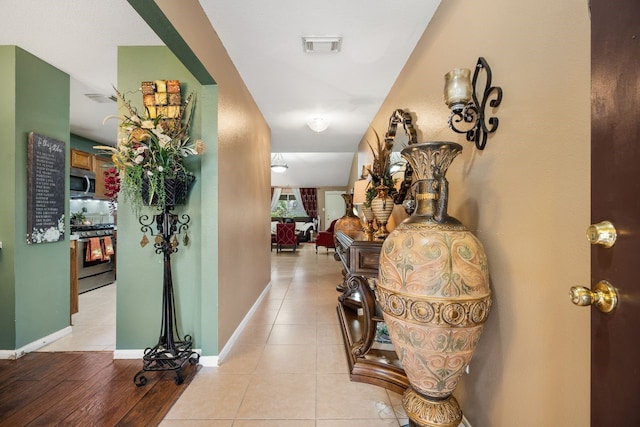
(333, 207)
(93, 326)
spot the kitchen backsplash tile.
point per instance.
(96, 211)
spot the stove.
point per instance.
(94, 230)
(94, 273)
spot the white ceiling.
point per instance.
(264, 40)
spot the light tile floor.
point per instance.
(288, 367)
(94, 325)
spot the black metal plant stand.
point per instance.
(172, 352)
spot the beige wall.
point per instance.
(244, 146)
(526, 197)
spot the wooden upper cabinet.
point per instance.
(100, 164)
(81, 159)
(96, 164)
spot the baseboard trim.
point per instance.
(128, 354)
(35, 345)
(236, 334)
(209, 361)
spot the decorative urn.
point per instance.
(433, 289)
(349, 223)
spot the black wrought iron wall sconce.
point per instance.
(461, 96)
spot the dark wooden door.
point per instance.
(615, 196)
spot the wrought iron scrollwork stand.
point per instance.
(171, 352)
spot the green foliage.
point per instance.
(281, 210)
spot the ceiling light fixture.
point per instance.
(318, 124)
(324, 44)
(278, 165)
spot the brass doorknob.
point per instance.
(602, 233)
(603, 295)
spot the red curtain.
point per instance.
(310, 201)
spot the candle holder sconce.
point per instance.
(461, 96)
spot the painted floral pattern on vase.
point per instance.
(440, 279)
(434, 263)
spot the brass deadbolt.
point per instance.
(602, 233)
(603, 295)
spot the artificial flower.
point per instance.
(150, 150)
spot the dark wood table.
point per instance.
(369, 361)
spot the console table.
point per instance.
(369, 361)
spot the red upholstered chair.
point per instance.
(325, 238)
(286, 236)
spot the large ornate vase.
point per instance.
(349, 224)
(433, 289)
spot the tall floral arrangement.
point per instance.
(151, 147)
(381, 169)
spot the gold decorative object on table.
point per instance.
(382, 206)
(349, 223)
(369, 218)
(381, 174)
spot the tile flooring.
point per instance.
(94, 325)
(288, 367)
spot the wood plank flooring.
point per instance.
(84, 389)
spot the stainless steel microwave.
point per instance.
(82, 184)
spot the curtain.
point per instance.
(298, 196)
(275, 196)
(309, 197)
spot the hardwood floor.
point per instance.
(82, 389)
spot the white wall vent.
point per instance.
(324, 44)
(100, 98)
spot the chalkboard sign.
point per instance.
(46, 188)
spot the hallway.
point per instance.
(288, 368)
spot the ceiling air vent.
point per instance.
(322, 44)
(100, 98)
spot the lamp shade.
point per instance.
(360, 191)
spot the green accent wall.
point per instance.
(140, 270)
(34, 279)
(8, 191)
(81, 143)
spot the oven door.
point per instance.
(94, 274)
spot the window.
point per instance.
(288, 206)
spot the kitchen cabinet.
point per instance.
(81, 160)
(100, 164)
(73, 268)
